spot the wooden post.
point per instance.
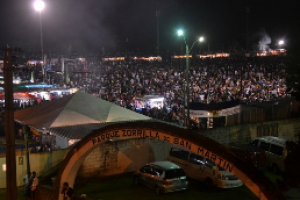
(11, 186)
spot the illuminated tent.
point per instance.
(76, 109)
(19, 96)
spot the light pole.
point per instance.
(187, 90)
(157, 24)
(11, 186)
(39, 6)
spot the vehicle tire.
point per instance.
(209, 183)
(275, 169)
(157, 190)
(136, 180)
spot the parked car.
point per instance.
(275, 150)
(251, 154)
(163, 176)
(202, 169)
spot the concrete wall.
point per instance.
(39, 162)
(121, 157)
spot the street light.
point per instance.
(187, 95)
(281, 42)
(180, 32)
(39, 6)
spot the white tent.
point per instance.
(76, 109)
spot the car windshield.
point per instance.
(221, 168)
(174, 173)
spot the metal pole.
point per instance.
(42, 46)
(207, 95)
(242, 88)
(27, 149)
(67, 74)
(187, 86)
(157, 21)
(11, 188)
(247, 28)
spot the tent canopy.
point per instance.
(19, 96)
(75, 109)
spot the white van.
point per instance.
(202, 169)
(275, 150)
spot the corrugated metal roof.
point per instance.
(79, 131)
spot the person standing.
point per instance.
(67, 191)
(27, 192)
(33, 181)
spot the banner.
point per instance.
(114, 135)
(215, 113)
(214, 106)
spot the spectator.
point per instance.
(33, 183)
(67, 191)
(27, 192)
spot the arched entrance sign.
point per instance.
(251, 177)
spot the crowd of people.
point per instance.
(212, 80)
(30, 183)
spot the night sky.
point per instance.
(91, 25)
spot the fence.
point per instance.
(265, 111)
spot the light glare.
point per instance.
(180, 32)
(201, 39)
(281, 42)
(39, 5)
(4, 167)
